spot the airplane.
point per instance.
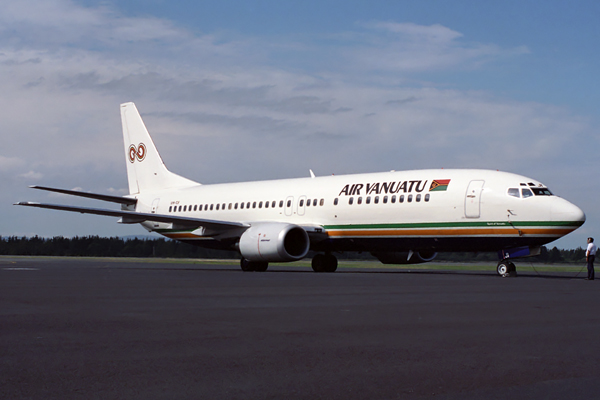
(400, 217)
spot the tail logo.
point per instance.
(138, 152)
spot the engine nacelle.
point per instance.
(405, 257)
(274, 242)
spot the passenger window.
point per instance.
(376, 199)
(260, 204)
(235, 206)
(409, 198)
(184, 208)
(368, 199)
(335, 201)
(170, 207)
(322, 202)
(248, 205)
(418, 197)
(513, 192)
(401, 199)
(211, 207)
(351, 200)
(427, 197)
(359, 200)
(217, 207)
(526, 193)
(195, 207)
(273, 204)
(254, 205)
(301, 202)
(229, 207)
(266, 204)
(385, 199)
(307, 203)
(393, 198)
(200, 207)
(242, 205)
(314, 202)
(223, 206)
(289, 203)
(280, 203)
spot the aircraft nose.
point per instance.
(568, 212)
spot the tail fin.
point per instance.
(145, 169)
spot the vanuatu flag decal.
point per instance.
(439, 185)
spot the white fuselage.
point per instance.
(391, 211)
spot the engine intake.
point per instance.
(274, 242)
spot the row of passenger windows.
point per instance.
(385, 199)
(302, 203)
(241, 206)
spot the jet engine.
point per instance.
(405, 257)
(274, 242)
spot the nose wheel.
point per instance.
(506, 268)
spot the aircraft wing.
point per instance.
(103, 197)
(136, 217)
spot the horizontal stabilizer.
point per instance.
(191, 222)
(103, 197)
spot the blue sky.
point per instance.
(275, 88)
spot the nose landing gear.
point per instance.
(506, 268)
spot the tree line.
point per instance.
(96, 246)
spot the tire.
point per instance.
(260, 266)
(331, 263)
(319, 263)
(503, 268)
(246, 265)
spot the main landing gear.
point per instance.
(324, 263)
(506, 268)
(320, 263)
(258, 266)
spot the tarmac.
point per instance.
(102, 329)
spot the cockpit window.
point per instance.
(514, 192)
(541, 192)
(526, 193)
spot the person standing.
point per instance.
(590, 255)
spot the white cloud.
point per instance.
(410, 48)
(32, 175)
(436, 32)
(8, 163)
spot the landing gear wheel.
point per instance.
(318, 263)
(261, 266)
(246, 265)
(324, 263)
(258, 266)
(506, 268)
(331, 263)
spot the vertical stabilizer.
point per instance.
(145, 169)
